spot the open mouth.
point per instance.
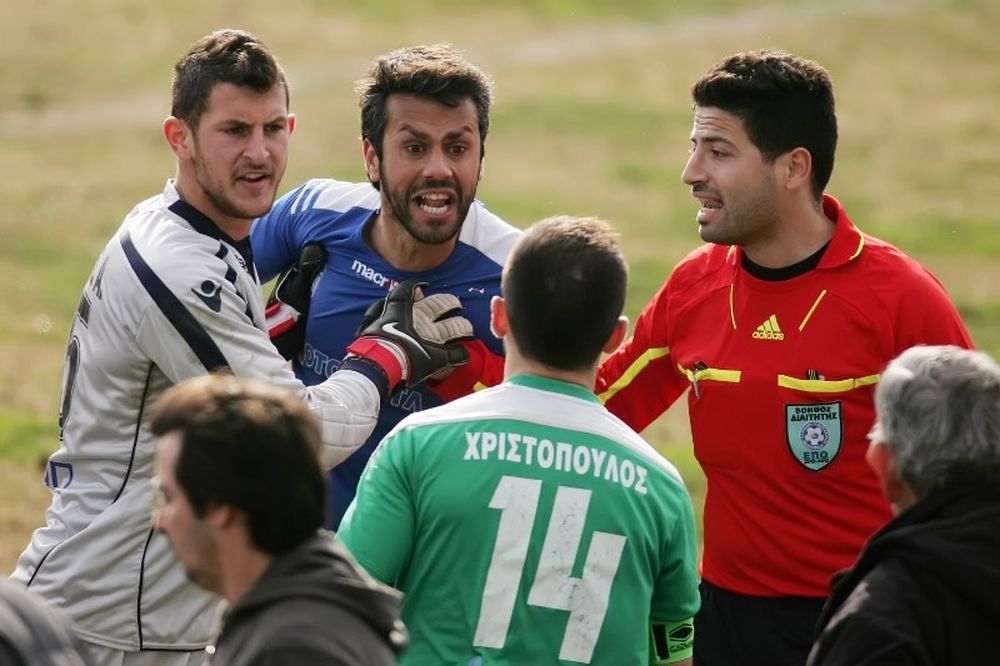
(708, 207)
(434, 203)
(254, 178)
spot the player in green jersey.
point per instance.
(526, 524)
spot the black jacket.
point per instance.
(313, 605)
(925, 589)
(32, 634)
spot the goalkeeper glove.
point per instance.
(287, 307)
(411, 339)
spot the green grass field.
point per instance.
(592, 117)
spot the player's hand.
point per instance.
(422, 334)
(287, 307)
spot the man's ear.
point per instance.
(291, 123)
(371, 160)
(896, 491)
(178, 136)
(498, 317)
(796, 168)
(618, 335)
(221, 516)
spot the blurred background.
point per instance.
(592, 117)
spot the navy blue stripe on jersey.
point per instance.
(198, 339)
(138, 430)
(231, 278)
(203, 225)
(142, 575)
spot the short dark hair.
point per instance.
(564, 288)
(252, 446)
(225, 56)
(437, 72)
(784, 101)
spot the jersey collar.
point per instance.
(204, 225)
(845, 245)
(553, 386)
(847, 242)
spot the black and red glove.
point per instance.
(411, 338)
(287, 308)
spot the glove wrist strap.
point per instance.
(388, 356)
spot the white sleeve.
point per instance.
(188, 337)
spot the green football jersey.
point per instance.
(526, 525)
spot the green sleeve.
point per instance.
(378, 525)
(675, 593)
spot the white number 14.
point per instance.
(586, 598)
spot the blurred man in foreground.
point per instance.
(242, 498)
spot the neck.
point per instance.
(516, 364)
(236, 228)
(401, 250)
(800, 231)
(241, 572)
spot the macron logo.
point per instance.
(368, 273)
(769, 330)
(210, 294)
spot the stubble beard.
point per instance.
(223, 203)
(399, 205)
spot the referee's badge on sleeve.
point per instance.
(814, 433)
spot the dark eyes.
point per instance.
(242, 130)
(418, 148)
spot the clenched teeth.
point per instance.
(434, 204)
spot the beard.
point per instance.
(433, 233)
(226, 202)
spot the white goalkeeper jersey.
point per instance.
(171, 297)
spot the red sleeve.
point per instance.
(638, 382)
(483, 370)
(928, 316)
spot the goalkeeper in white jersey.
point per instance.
(173, 295)
(525, 524)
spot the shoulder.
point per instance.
(297, 631)
(706, 259)
(704, 271)
(172, 251)
(489, 234)
(703, 264)
(890, 265)
(326, 194)
(562, 413)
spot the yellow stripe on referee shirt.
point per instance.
(638, 365)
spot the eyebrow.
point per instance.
(424, 136)
(280, 118)
(712, 140)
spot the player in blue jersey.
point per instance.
(424, 120)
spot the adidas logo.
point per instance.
(769, 330)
